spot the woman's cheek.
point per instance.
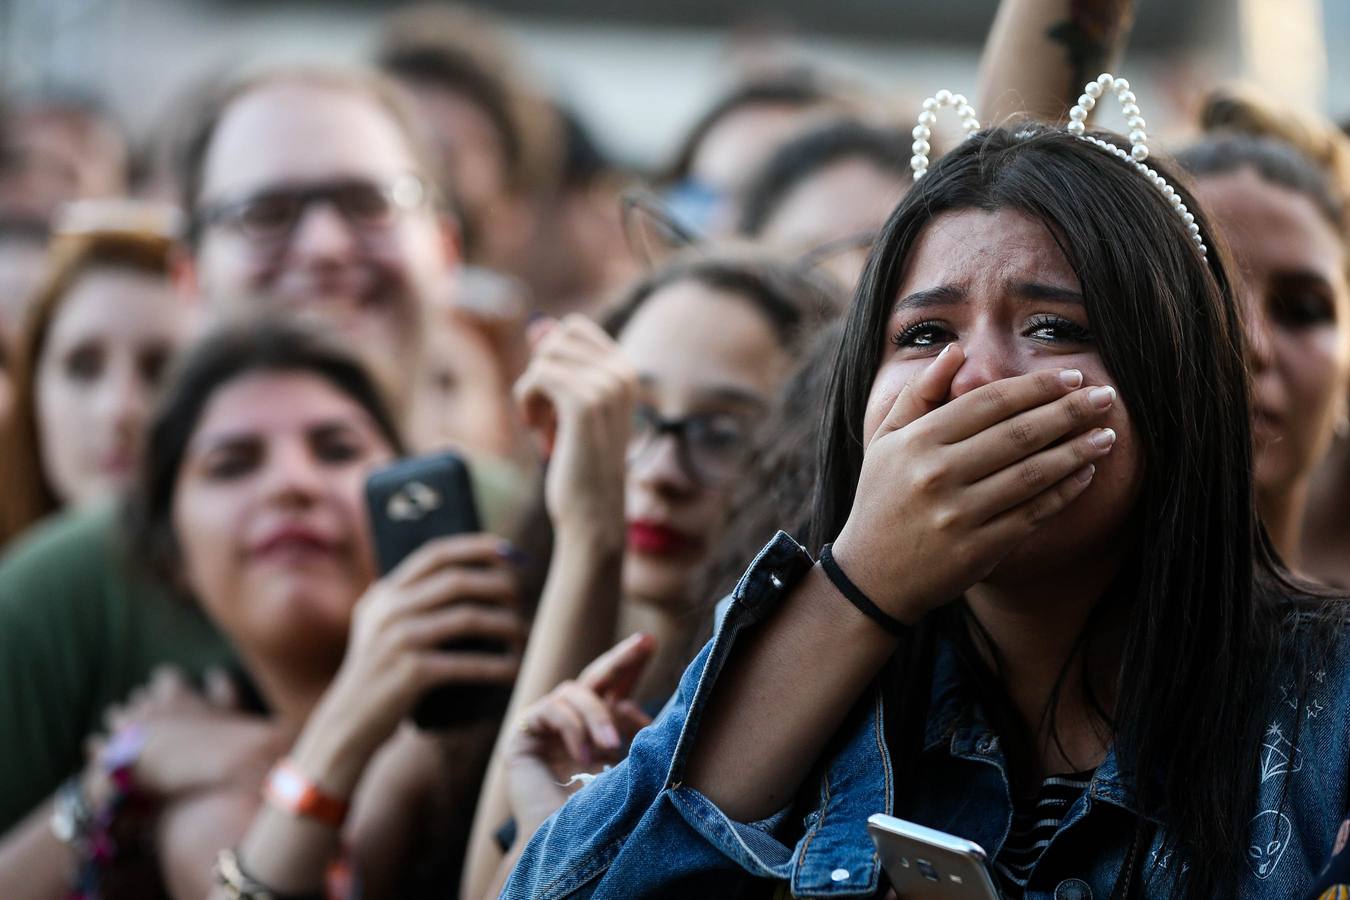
(207, 546)
(1317, 366)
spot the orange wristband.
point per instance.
(289, 790)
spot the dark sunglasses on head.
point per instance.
(270, 215)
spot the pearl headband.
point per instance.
(1078, 115)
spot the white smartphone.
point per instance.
(927, 864)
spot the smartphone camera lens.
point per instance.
(926, 869)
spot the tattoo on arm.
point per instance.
(1090, 36)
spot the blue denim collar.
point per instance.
(957, 723)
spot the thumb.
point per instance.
(615, 673)
(925, 392)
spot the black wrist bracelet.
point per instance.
(854, 595)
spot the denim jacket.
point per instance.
(637, 830)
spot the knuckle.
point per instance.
(1040, 508)
(946, 519)
(965, 556)
(995, 395)
(1032, 473)
(456, 582)
(920, 431)
(929, 476)
(1078, 410)
(402, 635)
(1022, 434)
(422, 671)
(1047, 381)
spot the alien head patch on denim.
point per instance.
(637, 831)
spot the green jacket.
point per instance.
(78, 632)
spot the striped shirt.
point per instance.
(1035, 821)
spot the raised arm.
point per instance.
(578, 396)
(1040, 53)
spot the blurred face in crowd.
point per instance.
(840, 206)
(268, 512)
(998, 284)
(312, 201)
(468, 144)
(96, 377)
(1292, 270)
(462, 398)
(735, 148)
(52, 156)
(710, 360)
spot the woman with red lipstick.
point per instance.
(647, 423)
(93, 347)
(251, 498)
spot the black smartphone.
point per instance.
(411, 502)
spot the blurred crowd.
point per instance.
(1123, 579)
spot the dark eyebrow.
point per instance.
(232, 439)
(1302, 277)
(946, 295)
(1035, 290)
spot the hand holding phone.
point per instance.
(413, 504)
(927, 864)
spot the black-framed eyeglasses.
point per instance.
(651, 228)
(709, 446)
(269, 216)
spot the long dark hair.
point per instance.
(1210, 616)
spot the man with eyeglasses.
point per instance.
(307, 191)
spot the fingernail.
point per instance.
(1102, 438)
(945, 350)
(1084, 475)
(609, 736)
(508, 551)
(1071, 377)
(1102, 397)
